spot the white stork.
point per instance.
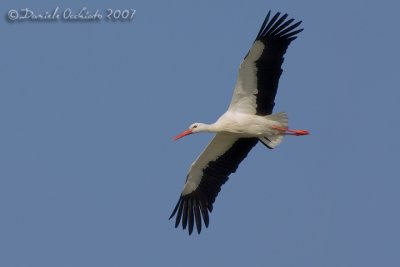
(247, 121)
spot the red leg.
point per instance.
(290, 132)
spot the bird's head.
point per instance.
(194, 128)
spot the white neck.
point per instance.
(211, 128)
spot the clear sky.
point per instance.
(89, 173)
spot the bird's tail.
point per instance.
(274, 140)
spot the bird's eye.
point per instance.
(194, 126)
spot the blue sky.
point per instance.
(89, 173)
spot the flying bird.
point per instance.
(247, 121)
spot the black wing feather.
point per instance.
(276, 24)
(203, 208)
(276, 36)
(288, 29)
(197, 215)
(265, 22)
(271, 22)
(184, 213)
(214, 176)
(283, 26)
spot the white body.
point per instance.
(248, 125)
(229, 127)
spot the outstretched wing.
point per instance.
(206, 176)
(254, 93)
(260, 70)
